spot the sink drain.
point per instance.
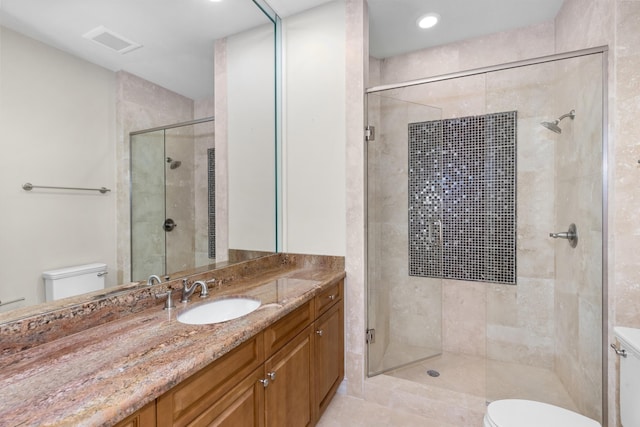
(433, 373)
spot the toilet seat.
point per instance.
(527, 413)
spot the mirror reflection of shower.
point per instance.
(173, 164)
(553, 126)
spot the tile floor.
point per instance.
(409, 397)
(346, 411)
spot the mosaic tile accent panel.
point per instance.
(425, 198)
(211, 170)
(462, 198)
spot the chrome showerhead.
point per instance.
(553, 126)
(173, 164)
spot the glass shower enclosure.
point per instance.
(172, 198)
(469, 178)
(404, 311)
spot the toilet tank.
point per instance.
(629, 339)
(72, 281)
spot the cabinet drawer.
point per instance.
(181, 405)
(281, 332)
(329, 297)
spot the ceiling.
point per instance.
(393, 29)
(173, 55)
(177, 35)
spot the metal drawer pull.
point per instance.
(319, 332)
(619, 351)
(331, 297)
(272, 376)
(265, 382)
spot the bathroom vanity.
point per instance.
(279, 365)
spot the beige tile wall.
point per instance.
(357, 64)
(204, 139)
(625, 197)
(624, 131)
(578, 195)
(221, 129)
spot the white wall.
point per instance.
(314, 131)
(57, 128)
(251, 131)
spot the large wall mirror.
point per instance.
(79, 81)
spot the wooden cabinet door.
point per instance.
(288, 395)
(242, 406)
(145, 417)
(329, 355)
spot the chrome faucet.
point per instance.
(187, 290)
(153, 278)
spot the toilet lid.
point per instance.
(527, 413)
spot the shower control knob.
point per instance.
(169, 224)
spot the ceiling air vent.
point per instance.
(107, 38)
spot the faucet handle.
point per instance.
(168, 304)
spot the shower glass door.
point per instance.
(543, 335)
(147, 205)
(404, 223)
(172, 199)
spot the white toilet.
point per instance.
(528, 413)
(72, 281)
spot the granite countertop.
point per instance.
(106, 372)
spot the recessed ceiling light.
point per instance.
(429, 20)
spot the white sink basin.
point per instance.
(218, 311)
